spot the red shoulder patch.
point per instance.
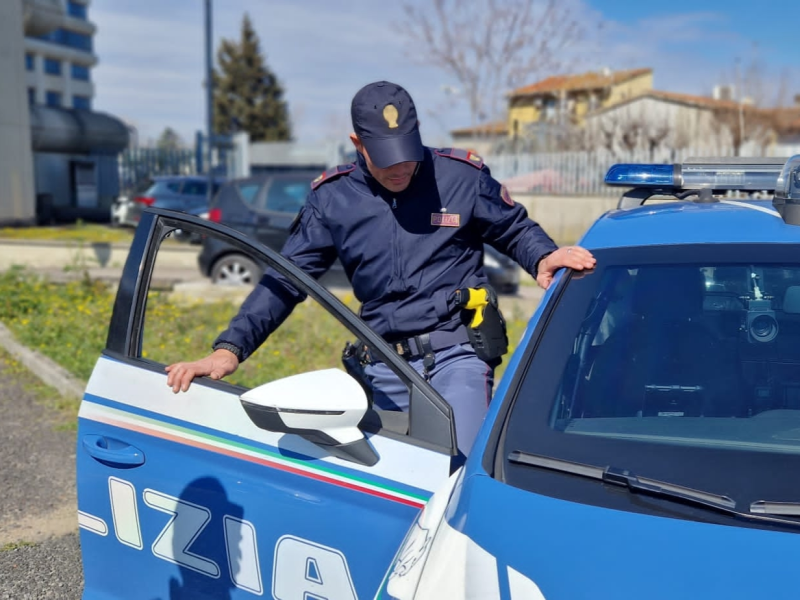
(506, 196)
(466, 156)
(331, 174)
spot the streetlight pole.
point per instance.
(740, 108)
(209, 102)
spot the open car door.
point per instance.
(295, 489)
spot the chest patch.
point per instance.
(445, 220)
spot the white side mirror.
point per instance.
(325, 407)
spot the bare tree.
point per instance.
(745, 123)
(491, 46)
(618, 132)
(747, 119)
(657, 132)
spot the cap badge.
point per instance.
(390, 114)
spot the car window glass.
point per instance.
(163, 187)
(248, 191)
(195, 188)
(287, 195)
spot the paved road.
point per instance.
(39, 547)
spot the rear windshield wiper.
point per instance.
(651, 487)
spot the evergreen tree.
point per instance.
(247, 95)
(169, 140)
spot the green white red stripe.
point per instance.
(242, 451)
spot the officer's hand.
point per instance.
(216, 365)
(572, 257)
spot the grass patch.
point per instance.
(77, 232)
(66, 408)
(15, 546)
(69, 324)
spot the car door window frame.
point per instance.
(430, 419)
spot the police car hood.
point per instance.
(509, 543)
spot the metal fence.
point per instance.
(137, 165)
(574, 173)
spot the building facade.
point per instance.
(16, 160)
(58, 61)
(58, 156)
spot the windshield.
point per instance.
(681, 363)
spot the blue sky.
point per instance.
(151, 55)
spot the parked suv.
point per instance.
(264, 206)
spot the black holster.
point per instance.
(353, 362)
(489, 339)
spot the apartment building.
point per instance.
(58, 61)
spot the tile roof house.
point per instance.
(620, 111)
(480, 139)
(567, 99)
(656, 118)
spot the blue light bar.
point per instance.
(731, 174)
(715, 173)
(643, 175)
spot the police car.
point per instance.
(644, 441)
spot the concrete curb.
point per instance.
(57, 255)
(42, 367)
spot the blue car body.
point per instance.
(568, 492)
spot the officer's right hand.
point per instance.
(216, 365)
(571, 257)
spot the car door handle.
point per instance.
(113, 452)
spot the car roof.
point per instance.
(686, 222)
(262, 178)
(203, 178)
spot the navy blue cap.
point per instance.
(385, 120)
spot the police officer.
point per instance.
(408, 224)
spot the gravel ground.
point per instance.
(39, 545)
(48, 569)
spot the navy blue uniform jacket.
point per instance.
(405, 253)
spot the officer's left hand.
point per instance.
(571, 257)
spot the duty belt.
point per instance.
(414, 347)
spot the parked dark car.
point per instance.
(264, 206)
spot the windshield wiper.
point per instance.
(626, 479)
(767, 507)
(760, 512)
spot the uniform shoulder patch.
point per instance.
(332, 174)
(466, 156)
(506, 197)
